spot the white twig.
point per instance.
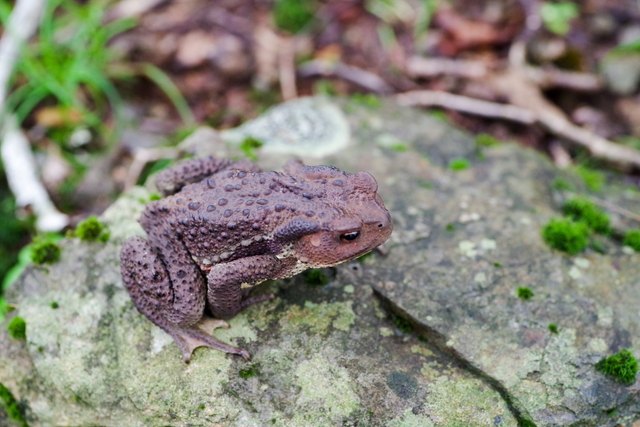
(549, 119)
(418, 66)
(615, 208)
(17, 158)
(287, 69)
(20, 168)
(22, 24)
(466, 105)
(545, 77)
(346, 72)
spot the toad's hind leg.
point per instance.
(147, 280)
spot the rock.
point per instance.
(430, 334)
(622, 72)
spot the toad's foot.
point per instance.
(188, 339)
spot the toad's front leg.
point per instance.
(154, 294)
(229, 282)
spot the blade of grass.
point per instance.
(169, 88)
(29, 103)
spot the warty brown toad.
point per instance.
(224, 227)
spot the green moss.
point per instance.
(450, 227)
(566, 235)
(249, 147)
(248, 372)
(439, 115)
(497, 264)
(553, 328)
(632, 239)
(486, 140)
(525, 293)
(17, 328)
(561, 184)
(523, 422)
(402, 324)
(400, 147)
(315, 277)
(54, 305)
(367, 99)
(581, 209)
(92, 230)
(458, 164)
(293, 15)
(364, 257)
(598, 246)
(324, 87)
(154, 196)
(622, 366)
(45, 252)
(594, 180)
(11, 406)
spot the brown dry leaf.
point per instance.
(332, 52)
(195, 47)
(51, 117)
(464, 33)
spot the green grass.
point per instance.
(566, 235)
(621, 366)
(71, 68)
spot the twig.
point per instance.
(355, 75)
(547, 118)
(287, 68)
(466, 105)
(20, 166)
(552, 77)
(615, 208)
(22, 24)
(418, 66)
(546, 77)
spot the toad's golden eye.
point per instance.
(350, 236)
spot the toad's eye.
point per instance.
(350, 236)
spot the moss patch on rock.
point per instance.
(566, 235)
(621, 366)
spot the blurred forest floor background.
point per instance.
(104, 89)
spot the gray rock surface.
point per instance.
(430, 334)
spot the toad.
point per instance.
(224, 227)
